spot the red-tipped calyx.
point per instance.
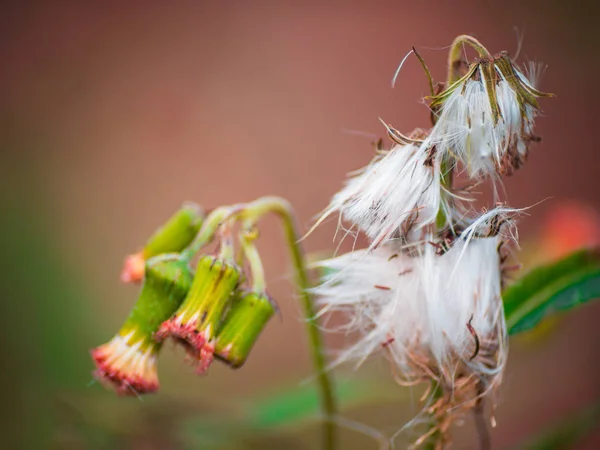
(199, 345)
(125, 366)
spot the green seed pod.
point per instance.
(198, 319)
(175, 235)
(244, 322)
(127, 363)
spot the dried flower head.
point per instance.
(485, 119)
(437, 316)
(396, 194)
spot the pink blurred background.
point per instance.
(114, 113)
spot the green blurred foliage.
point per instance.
(551, 288)
(45, 310)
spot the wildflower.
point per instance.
(486, 118)
(196, 323)
(398, 192)
(245, 320)
(427, 291)
(127, 363)
(173, 236)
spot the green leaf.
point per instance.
(567, 434)
(551, 288)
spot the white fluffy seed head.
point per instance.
(436, 316)
(468, 130)
(462, 292)
(397, 193)
(378, 292)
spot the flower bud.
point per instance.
(127, 363)
(198, 319)
(175, 235)
(245, 320)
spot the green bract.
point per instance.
(177, 233)
(167, 281)
(245, 320)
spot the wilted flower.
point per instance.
(172, 237)
(196, 323)
(128, 362)
(486, 118)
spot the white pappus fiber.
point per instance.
(396, 193)
(467, 130)
(424, 310)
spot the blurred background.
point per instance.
(114, 113)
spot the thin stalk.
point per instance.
(247, 238)
(284, 210)
(480, 424)
(207, 232)
(434, 440)
(455, 57)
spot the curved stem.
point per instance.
(284, 210)
(227, 251)
(455, 59)
(250, 252)
(250, 213)
(207, 232)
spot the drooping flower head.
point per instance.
(196, 323)
(485, 119)
(127, 363)
(172, 237)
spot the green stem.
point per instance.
(455, 58)
(446, 177)
(284, 210)
(208, 230)
(250, 252)
(250, 213)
